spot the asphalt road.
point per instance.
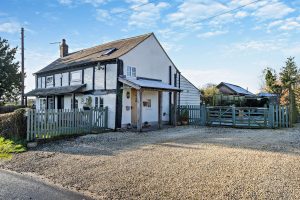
(18, 186)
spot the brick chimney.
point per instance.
(63, 48)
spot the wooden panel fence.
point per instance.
(274, 116)
(44, 124)
(193, 112)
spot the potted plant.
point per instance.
(184, 117)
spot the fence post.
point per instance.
(27, 114)
(106, 117)
(233, 115)
(271, 116)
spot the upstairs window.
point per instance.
(76, 77)
(49, 81)
(131, 71)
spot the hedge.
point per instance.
(13, 125)
(10, 108)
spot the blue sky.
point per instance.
(234, 47)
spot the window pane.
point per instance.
(96, 102)
(133, 73)
(75, 76)
(128, 71)
(101, 102)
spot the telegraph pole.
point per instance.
(22, 68)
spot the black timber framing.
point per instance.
(82, 78)
(119, 95)
(170, 95)
(75, 68)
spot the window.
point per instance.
(131, 71)
(39, 82)
(108, 51)
(96, 102)
(99, 102)
(147, 103)
(76, 76)
(76, 104)
(42, 103)
(51, 103)
(43, 82)
(49, 81)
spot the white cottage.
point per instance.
(133, 77)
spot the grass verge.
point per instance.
(8, 147)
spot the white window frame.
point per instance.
(99, 102)
(49, 84)
(78, 79)
(131, 71)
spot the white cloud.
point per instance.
(273, 10)
(65, 2)
(10, 27)
(241, 14)
(147, 15)
(103, 15)
(94, 3)
(257, 45)
(191, 11)
(285, 24)
(211, 34)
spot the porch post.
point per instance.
(175, 108)
(139, 109)
(159, 109)
(73, 99)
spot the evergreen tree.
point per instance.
(10, 76)
(289, 77)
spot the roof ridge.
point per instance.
(118, 40)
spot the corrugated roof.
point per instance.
(266, 94)
(96, 53)
(147, 83)
(56, 90)
(236, 88)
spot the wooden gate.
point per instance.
(274, 116)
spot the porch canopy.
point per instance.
(141, 84)
(56, 90)
(147, 83)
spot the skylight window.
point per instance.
(108, 51)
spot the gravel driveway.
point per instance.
(175, 163)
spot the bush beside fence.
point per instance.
(10, 108)
(13, 125)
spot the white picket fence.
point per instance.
(45, 124)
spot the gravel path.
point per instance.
(175, 163)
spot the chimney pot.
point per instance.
(64, 49)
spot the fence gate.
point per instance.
(274, 116)
(44, 124)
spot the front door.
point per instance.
(133, 107)
(60, 102)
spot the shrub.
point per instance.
(13, 125)
(7, 147)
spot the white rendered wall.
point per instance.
(151, 61)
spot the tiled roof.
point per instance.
(94, 54)
(236, 88)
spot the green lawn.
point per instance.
(8, 147)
